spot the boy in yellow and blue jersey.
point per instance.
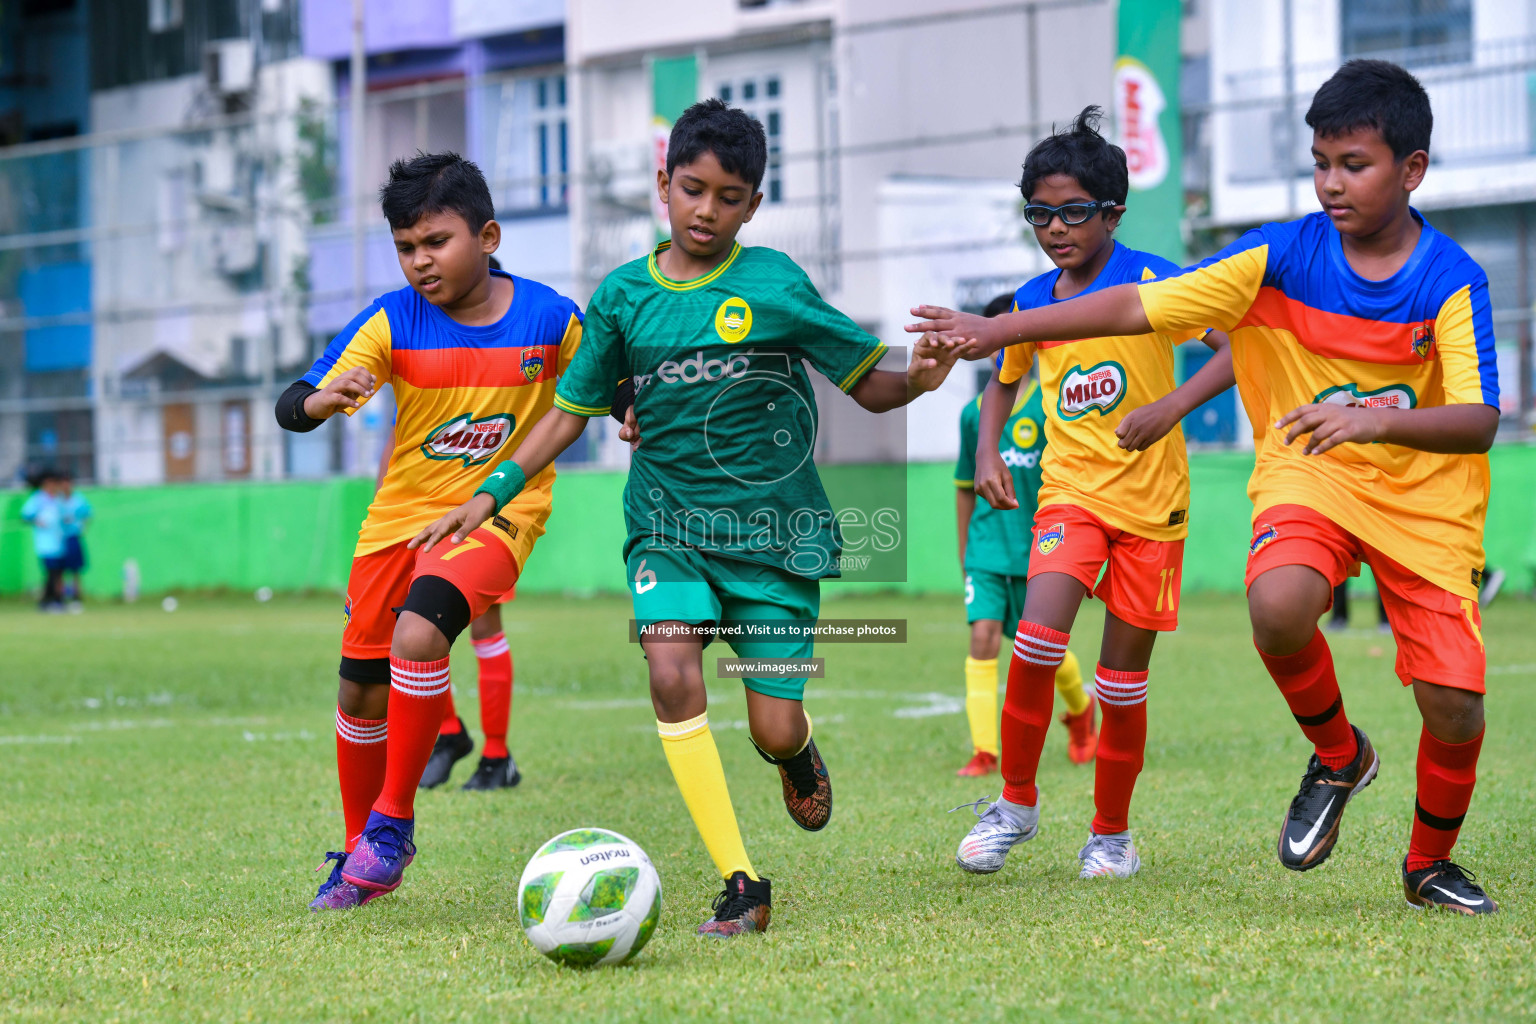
(473, 355)
(1369, 333)
(728, 522)
(1113, 500)
(994, 555)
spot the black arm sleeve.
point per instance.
(290, 408)
(623, 398)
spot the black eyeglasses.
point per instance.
(1072, 214)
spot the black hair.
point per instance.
(435, 183)
(999, 305)
(1082, 153)
(734, 136)
(1374, 94)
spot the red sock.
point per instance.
(1307, 683)
(451, 725)
(1037, 653)
(417, 692)
(1122, 746)
(360, 746)
(1447, 772)
(495, 692)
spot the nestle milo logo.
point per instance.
(470, 439)
(1393, 396)
(1100, 387)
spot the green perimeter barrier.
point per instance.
(299, 535)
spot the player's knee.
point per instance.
(439, 612)
(779, 738)
(1279, 626)
(487, 625)
(363, 691)
(1452, 715)
(986, 637)
(675, 685)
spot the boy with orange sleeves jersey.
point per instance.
(1369, 333)
(473, 356)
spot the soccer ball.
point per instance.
(589, 896)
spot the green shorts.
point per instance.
(684, 584)
(990, 595)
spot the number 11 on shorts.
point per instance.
(1166, 586)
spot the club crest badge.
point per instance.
(1051, 538)
(533, 364)
(1265, 534)
(733, 320)
(470, 439)
(1423, 338)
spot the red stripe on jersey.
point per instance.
(1041, 346)
(1334, 335)
(476, 367)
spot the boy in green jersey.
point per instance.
(994, 555)
(729, 527)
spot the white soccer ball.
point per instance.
(589, 896)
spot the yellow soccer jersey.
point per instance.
(1306, 328)
(1087, 388)
(462, 394)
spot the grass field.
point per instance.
(169, 782)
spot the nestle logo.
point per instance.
(602, 855)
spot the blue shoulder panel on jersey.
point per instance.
(338, 345)
(539, 315)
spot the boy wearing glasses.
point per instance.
(1114, 496)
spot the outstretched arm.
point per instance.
(553, 434)
(1143, 427)
(1113, 311)
(884, 390)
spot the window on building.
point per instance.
(165, 15)
(531, 145)
(1430, 31)
(762, 97)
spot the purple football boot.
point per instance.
(336, 893)
(382, 853)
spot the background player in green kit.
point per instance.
(994, 554)
(728, 522)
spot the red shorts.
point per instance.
(482, 568)
(1439, 635)
(1141, 576)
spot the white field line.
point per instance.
(142, 724)
(1511, 670)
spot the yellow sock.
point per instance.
(981, 703)
(695, 764)
(1069, 683)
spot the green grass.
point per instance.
(168, 783)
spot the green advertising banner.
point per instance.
(674, 88)
(1147, 126)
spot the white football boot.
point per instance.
(997, 830)
(1109, 856)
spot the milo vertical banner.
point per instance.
(674, 88)
(1146, 113)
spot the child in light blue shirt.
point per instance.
(44, 512)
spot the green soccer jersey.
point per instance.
(725, 409)
(999, 539)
